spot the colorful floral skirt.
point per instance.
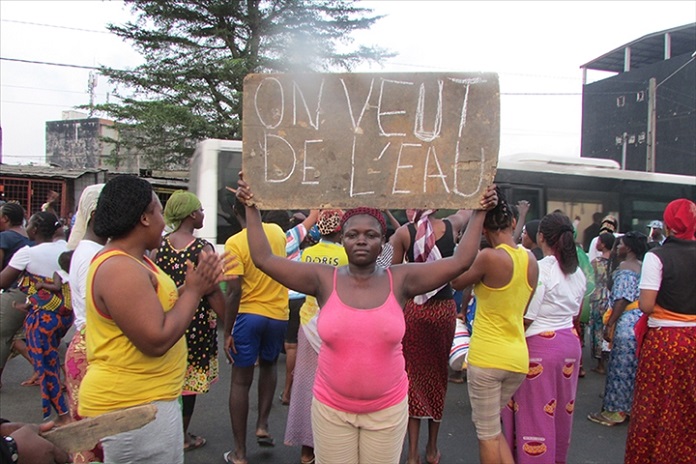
(662, 429)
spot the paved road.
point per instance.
(591, 443)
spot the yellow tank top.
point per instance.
(119, 374)
(498, 339)
(324, 252)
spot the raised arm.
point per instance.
(419, 278)
(459, 220)
(522, 210)
(392, 220)
(302, 277)
(311, 219)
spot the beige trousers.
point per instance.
(341, 437)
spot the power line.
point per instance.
(35, 104)
(82, 92)
(55, 26)
(546, 76)
(49, 64)
(538, 94)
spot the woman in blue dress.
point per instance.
(618, 331)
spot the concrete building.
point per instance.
(76, 141)
(644, 116)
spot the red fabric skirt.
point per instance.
(426, 345)
(663, 416)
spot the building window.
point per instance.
(640, 96)
(620, 101)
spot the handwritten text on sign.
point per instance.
(385, 140)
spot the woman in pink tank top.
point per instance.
(360, 407)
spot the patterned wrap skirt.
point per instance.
(621, 373)
(427, 344)
(538, 420)
(298, 429)
(75, 370)
(662, 429)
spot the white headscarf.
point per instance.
(87, 204)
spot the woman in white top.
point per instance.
(538, 420)
(50, 315)
(86, 244)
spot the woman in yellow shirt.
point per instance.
(504, 279)
(136, 319)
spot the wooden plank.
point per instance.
(86, 433)
(390, 140)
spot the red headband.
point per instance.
(374, 212)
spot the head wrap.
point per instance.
(425, 248)
(374, 212)
(329, 221)
(609, 224)
(85, 207)
(680, 219)
(179, 206)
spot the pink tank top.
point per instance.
(361, 365)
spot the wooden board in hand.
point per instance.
(86, 433)
(421, 140)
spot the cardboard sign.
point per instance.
(398, 141)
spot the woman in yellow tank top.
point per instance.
(504, 279)
(136, 319)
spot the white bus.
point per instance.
(577, 186)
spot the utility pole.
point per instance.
(652, 114)
(91, 87)
(652, 125)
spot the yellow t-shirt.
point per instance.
(324, 252)
(119, 374)
(260, 294)
(497, 340)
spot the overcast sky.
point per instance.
(537, 48)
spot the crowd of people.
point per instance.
(368, 319)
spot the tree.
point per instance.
(197, 53)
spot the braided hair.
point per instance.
(45, 223)
(14, 212)
(557, 231)
(501, 216)
(122, 202)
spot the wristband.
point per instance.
(12, 447)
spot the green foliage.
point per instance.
(197, 53)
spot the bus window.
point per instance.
(516, 193)
(229, 165)
(215, 165)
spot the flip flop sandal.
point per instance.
(602, 419)
(227, 456)
(266, 441)
(195, 442)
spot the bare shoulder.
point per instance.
(401, 234)
(120, 267)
